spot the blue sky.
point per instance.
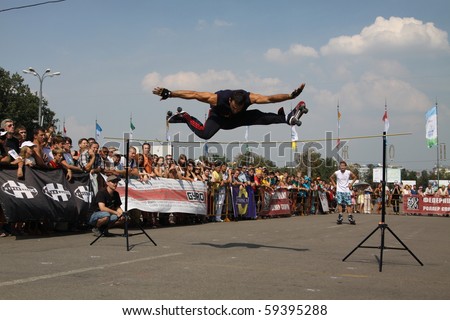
(112, 53)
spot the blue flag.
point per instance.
(98, 129)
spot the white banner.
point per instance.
(164, 195)
(431, 133)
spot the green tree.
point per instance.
(18, 103)
(252, 159)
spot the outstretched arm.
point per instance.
(260, 99)
(206, 97)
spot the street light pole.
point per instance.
(46, 74)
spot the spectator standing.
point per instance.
(11, 143)
(396, 194)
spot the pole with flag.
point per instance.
(338, 141)
(64, 128)
(98, 129)
(431, 132)
(132, 127)
(385, 118)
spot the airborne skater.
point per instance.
(228, 109)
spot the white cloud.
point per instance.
(295, 51)
(210, 80)
(385, 35)
(221, 23)
(203, 24)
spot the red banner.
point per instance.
(417, 204)
(275, 203)
(165, 195)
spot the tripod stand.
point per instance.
(382, 226)
(125, 213)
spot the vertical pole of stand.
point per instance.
(383, 183)
(127, 165)
(383, 203)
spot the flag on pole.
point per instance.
(98, 129)
(132, 127)
(431, 133)
(294, 138)
(64, 129)
(385, 119)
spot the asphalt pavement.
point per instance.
(279, 258)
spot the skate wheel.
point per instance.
(299, 123)
(179, 109)
(169, 113)
(306, 110)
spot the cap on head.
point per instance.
(27, 144)
(113, 178)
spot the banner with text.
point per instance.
(165, 195)
(417, 204)
(43, 195)
(275, 202)
(243, 202)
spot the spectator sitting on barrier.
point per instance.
(406, 190)
(159, 170)
(420, 191)
(90, 160)
(189, 174)
(143, 175)
(173, 171)
(58, 157)
(206, 176)
(198, 171)
(442, 192)
(148, 158)
(182, 163)
(68, 162)
(118, 169)
(429, 190)
(108, 212)
(26, 153)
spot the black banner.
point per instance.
(44, 195)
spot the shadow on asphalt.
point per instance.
(245, 245)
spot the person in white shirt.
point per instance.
(341, 180)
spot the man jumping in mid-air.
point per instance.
(228, 109)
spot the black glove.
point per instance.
(166, 93)
(297, 91)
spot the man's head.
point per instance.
(94, 147)
(39, 135)
(8, 125)
(146, 148)
(112, 181)
(237, 101)
(342, 166)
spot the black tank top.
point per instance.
(223, 102)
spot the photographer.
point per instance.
(108, 212)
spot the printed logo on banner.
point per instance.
(195, 196)
(83, 193)
(242, 201)
(413, 203)
(19, 190)
(57, 192)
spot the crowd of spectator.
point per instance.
(49, 150)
